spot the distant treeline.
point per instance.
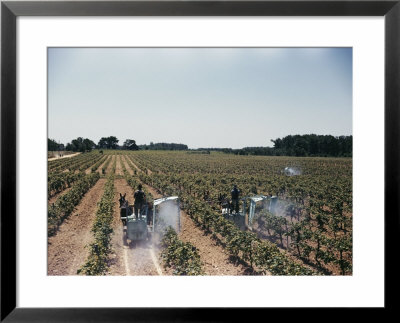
(204, 152)
(111, 142)
(52, 145)
(163, 146)
(299, 145)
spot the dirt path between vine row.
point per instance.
(136, 259)
(66, 250)
(99, 170)
(128, 168)
(110, 165)
(131, 170)
(89, 169)
(139, 169)
(65, 156)
(118, 166)
(215, 258)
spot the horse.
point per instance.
(122, 201)
(125, 209)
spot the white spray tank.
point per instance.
(272, 204)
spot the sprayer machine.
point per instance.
(254, 202)
(163, 213)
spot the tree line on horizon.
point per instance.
(309, 145)
(82, 145)
(299, 146)
(163, 146)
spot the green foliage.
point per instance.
(52, 145)
(65, 204)
(181, 256)
(100, 248)
(95, 166)
(298, 145)
(314, 145)
(241, 244)
(130, 144)
(318, 202)
(58, 182)
(80, 144)
(315, 226)
(108, 142)
(163, 146)
(76, 163)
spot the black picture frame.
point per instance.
(10, 10)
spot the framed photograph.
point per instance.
(168, 160)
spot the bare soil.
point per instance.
(110, 165)
(99, 170)
(66, 250)
(128, 168)
(118, 167)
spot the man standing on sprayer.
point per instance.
(139, 197)
(235, 199)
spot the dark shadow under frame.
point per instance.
(11, 10)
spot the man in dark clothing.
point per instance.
(140, 199)
(235, 199)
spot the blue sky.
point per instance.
(202, 97)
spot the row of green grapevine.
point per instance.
(65, 204)
(181, 256)
(98, 163)
(100, 248)
(58, 182)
